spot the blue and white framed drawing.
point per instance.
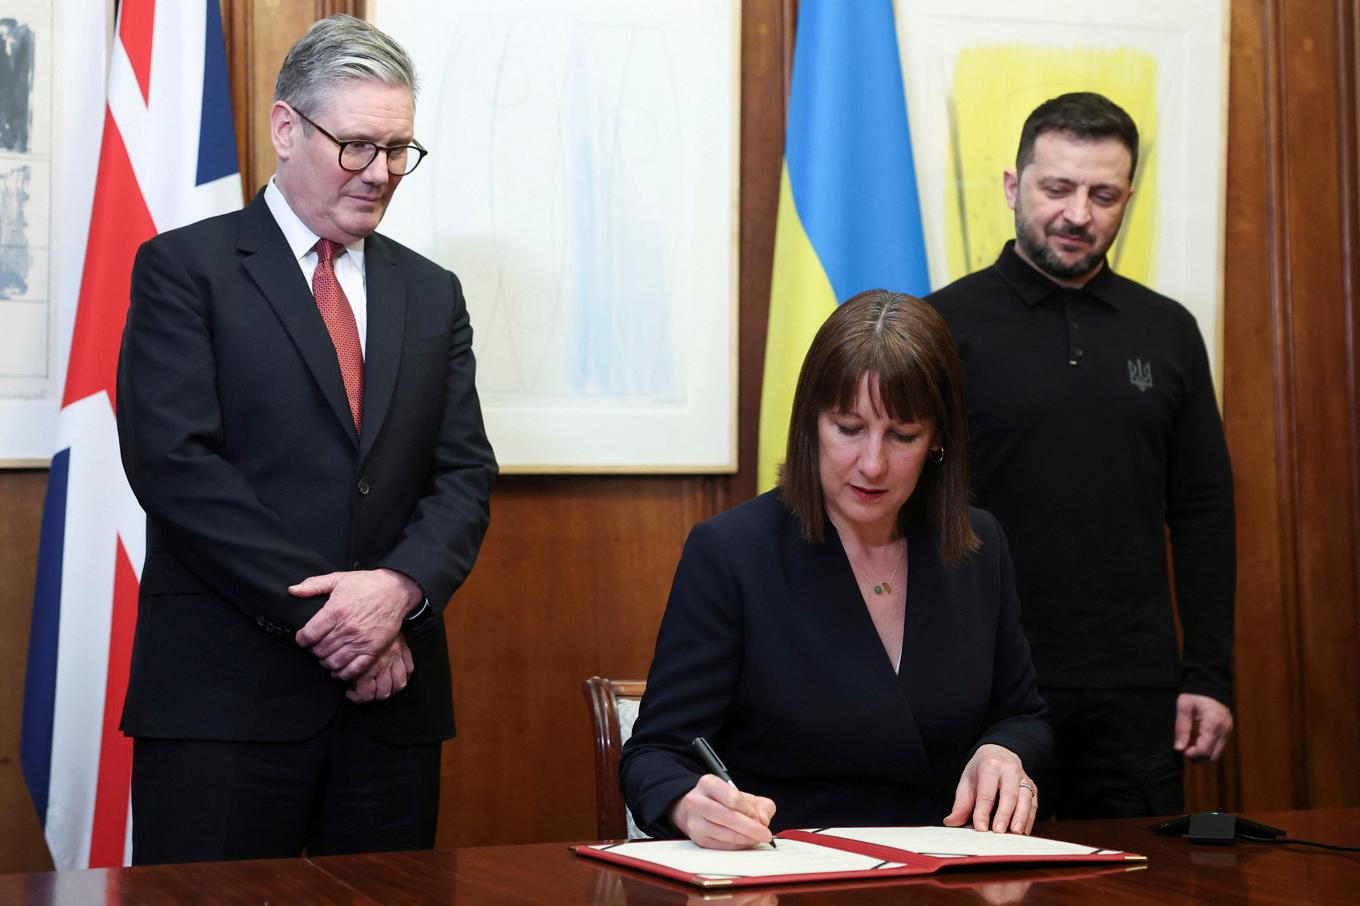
(582, 183)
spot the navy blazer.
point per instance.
(237, 439)
(767, 650)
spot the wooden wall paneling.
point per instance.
(324, 8)
(258, 35)
(1267, 672)
(571, 582)
(1337, 619)
(21, 500)
(1316, 308)
(766, 58)
(1351, 30)
(1347, 615)
(1290, 399)
(239, 53)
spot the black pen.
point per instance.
(716, 767)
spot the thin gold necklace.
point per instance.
(885, 587)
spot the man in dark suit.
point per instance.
(297, 415)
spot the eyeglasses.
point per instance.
(357, 156)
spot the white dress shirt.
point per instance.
(349, 267)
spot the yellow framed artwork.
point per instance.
(973, 71)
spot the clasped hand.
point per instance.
(357, 633)
(716, 815)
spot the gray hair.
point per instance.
(337, 49)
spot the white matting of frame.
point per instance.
(582, 183)
(53, 88)
(990, 62)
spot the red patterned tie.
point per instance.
(339, 318)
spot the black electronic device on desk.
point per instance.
(1218, 828)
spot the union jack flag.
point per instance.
(167, 158)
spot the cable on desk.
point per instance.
(1299, 842)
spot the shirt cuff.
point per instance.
(419, 613)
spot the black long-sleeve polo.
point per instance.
(1093, 430)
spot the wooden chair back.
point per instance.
(613, 707)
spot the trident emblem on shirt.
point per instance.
(1140, 374)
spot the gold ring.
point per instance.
(1026, 785)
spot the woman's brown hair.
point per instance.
(906, 345)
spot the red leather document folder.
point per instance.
(837, 854)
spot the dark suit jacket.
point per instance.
(237, 439)
(768, 651)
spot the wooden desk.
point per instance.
(547, 873)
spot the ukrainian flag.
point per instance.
(849, 218)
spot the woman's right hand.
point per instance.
(716, 815)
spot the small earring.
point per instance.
(937, 456)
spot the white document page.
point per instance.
(953, 842)
(793, 857)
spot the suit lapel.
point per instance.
(386, 327)
(836, 608)
(270, 263)
(927, 593)
(840, 608)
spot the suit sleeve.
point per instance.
(690, 687)
(1200, 516)
(440, 542)
(1017, 712)
(170, 436)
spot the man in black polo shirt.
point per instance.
(1094, 430)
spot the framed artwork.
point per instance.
(974, 69)
(582, 184)
(52, 61)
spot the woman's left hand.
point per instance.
(994, 780)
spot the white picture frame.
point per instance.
(582, 184)
(1185, 44)
(66, 119)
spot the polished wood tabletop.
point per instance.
(1177, 871)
